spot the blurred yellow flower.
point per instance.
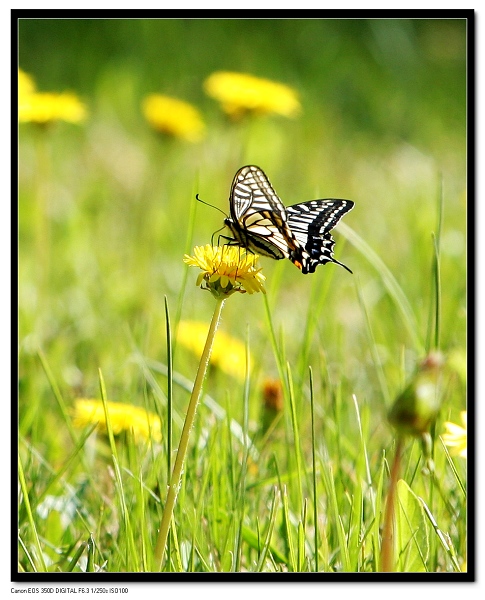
(456, 436)
(26, 85)
(173, 117)
(142, 424)
(44, 107)
(226, 269)
(240, 93)
(228, 353)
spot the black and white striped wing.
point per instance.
(311, 223)
(258, 217)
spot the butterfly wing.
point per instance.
(258, 217)
(311, 223)
(261, 223)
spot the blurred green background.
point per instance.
(394, 79)
(383, 123)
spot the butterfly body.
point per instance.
(260, 222)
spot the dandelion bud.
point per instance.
(272, 396)
(416, 407)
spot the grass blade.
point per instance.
(314, 473)
(25, 495)
(394, 289)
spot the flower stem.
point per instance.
(387, 548)
(184, 438)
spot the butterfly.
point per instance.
(261, 223)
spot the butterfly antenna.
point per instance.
(207, 204)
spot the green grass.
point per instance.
(107, 211)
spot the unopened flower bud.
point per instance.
(415, 409)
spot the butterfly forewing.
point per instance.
(311, 223)
(261, 223)
(258, 217)
(251, 191)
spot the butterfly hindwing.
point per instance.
(261, 223)
(311, 223)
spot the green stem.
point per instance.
(387, 548)
(184, 439)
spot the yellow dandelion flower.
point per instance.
(228, 353)
(226, 269)
(44, 107)
(456, 436)
(142, 424)
(241, 93)
(26, 85)
(173, 117)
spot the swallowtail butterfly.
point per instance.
(261, 223)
